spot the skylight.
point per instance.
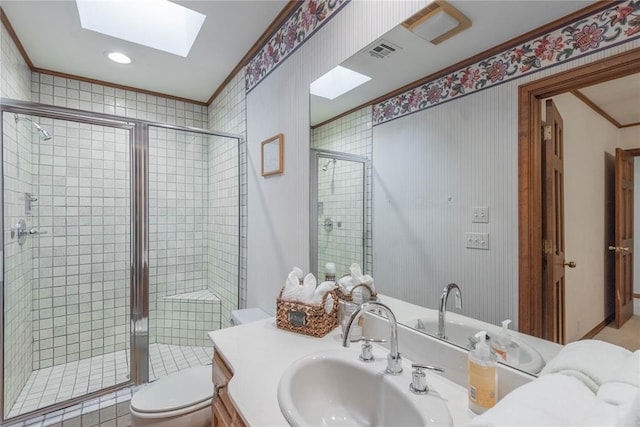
(158, 24)
(336, 82)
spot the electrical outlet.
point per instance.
(477, 240)
(480, 214)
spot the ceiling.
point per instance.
(53, 39)
(51, 35)
(619, 99)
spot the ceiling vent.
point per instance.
(382, 49)
(437, 22)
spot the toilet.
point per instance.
(247, 315)
(183, 398)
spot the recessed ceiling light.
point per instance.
(159, 24)
(118, 57)
(336, 82)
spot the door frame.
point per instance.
(530, 95)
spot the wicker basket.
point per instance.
(307, 319)
(348, 296)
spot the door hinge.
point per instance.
(547, 247)
(547, 132)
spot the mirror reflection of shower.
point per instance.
(44, 134)
(325, 167)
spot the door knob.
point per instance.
(570, 264)
(618, 249)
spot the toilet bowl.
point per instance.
(247, 315)
(183, 398)
(180, 399)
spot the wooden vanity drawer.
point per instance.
(224, 413)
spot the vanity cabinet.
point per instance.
(224, 413)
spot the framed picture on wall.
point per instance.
(273, 155)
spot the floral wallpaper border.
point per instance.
(298, 28)
(619, 23)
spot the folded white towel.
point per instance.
(623, 399)
(356, 273)
(299, 273)
(599, 414)
(592, 361)
(344, 282)
(292, 287)
(321, 290)
(617, 393)
(629, 371)
(368, 280)
(551, 400)
(308, 289)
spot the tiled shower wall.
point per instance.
(81, 266)
(228, 114)
(349, 134)
(15, 82)
(177, 219)
(18, 274)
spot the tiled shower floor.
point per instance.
(62, 382)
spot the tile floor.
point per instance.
(59, 383)
(628, 336)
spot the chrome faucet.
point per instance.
(394, 361)
(442, 309)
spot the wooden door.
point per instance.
(553, 287)
(624, 236)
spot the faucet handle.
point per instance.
(367, 353)
(419, 378)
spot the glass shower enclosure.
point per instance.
(120, 251)
(338, 211)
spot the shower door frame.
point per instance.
(313, 208)
(139, 233)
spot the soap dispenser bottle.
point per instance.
(483, 376)
(505, 348)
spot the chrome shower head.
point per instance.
(44, 134)
(325, 167)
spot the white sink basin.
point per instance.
(458, 333)
(336, 389)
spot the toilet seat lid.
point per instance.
(175, 391)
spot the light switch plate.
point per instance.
(480, 214)
(477, 240)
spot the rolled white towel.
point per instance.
(551, 400)
(592, 361)
(344, 282)
(629, 371)
(299, 273)
(368, 280)
(321, 290)
(292, 287)
(356, 273)
(623, 400)
(308, 289)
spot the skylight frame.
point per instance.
(337, 82)
(158, 24)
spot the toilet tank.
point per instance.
(247, 315)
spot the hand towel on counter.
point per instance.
(593, 362)
(551, 400)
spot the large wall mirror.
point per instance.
(444, 181)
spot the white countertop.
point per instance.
(259, 353)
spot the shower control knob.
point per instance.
(36, 232)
